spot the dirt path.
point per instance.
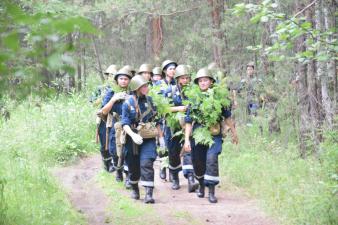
(83, 191)
(175, 207)
(230, 209)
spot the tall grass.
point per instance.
(38, 136)
(295, 190)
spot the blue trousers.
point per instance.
(141, 162)
(175, 145)
(205, 160)
(102, 136)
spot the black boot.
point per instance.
(201, 190)
(119, 175)
(105, 165)
(111, 167)
(212, 197)
(135, 193)
(163, 173)
(149, 195)
(127, 181)
(176, 181)
(170, 177)
(192, 185)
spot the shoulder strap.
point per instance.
(173, 90)
(136, 106)
(149, 109)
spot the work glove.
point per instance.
(136, 138)
(119, 96)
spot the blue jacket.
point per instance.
(117, 107)
(129, 111)
(177, 97)
(166, 88)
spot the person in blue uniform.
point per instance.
(157, 75)
(97, 100)
(205, 158)
(166, 87)
(182, 77)
(112, 102)
(140, 151)
(145, 70)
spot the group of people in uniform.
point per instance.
(130, 130)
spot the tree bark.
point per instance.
(314, 95)
(217, 12)
(154, 37)
(79, 73)
(226, 46)
(70, 84)
(148, 43)
(84, 69)
(329, 107)
(302, 96)
(268, 67)
(47, 75)
(97, 56)
(157, 36)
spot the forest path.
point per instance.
(173, 207)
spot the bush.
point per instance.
(3, 205)
(295, 190)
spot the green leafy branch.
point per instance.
(206, 108)
(287, 31)
(33, 43)
(162, 104)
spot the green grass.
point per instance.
(294, 190)
(32, 141)
(41, 134)
(124, 209)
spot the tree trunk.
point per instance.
(79, 73)
(314, 96)
(157, 36)
(226, 46)
(70, 78)
(302, 96)
(217, 12)
(97, 56)
(326, 25)
(148, 43)
(154, 37)
(84, 68)
(46, 74)
(268, 67)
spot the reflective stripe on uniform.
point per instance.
(133, 182)
(212, 178)
(107, 159)
(199, 177)
(147, 183)
(187, 167)
(175, 168)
